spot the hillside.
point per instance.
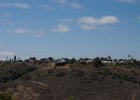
(26, 81)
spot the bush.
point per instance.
(30, 69)
(93, 76)
(97, 62)
(60, 74)
(70, 98)
(107, 72)
(6, 96)
(126, 78)
(77, 73)
(26, 77)
(50, 73)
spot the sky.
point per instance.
(69, 28)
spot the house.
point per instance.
(89, 61)
(107, 61)
(32, 59)
(120, 61)
(62, 61)
(81, 60)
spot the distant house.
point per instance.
(107, 62)
(81, 60)
(120, 61)
(32, 59)
(62, 61)
(88, 61)
(65, 60)
(15, 59)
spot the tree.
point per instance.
(7, 59)
(50, 59)
(102, 58)
(129, 56)
(109, 58)
(86, 59)
(97, 62)
(43, 59)
(115, 60)
(73, 60)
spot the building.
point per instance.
(32, 59)
(62, 61)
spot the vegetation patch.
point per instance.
(108, 72)
(12, 72)
(126, 78)
(60, 74)
(70, 98)
(6, 96)
(78, 73)
(93, 76)
(26, 77)
(50, 73)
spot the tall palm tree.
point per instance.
(129, 56)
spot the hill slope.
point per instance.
(40, 83)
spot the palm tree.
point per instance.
(129, 56)
(6, 59)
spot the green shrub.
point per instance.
(70, 98)
(26, 77)
(126, 78)
(60, 74)
(30, 69)
(50, 73)
(93, 76)
(107, 72)
(5, 96)
(78, 73)
(97, 62)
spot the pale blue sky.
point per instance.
(69, 28)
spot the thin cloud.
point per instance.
(70, 4)
(75, 5)
(45, 6)
(6, 22)
(88, 27)
(127, 1)
(91, 23)
(61, 28)
(5, 19)
(139, 18)
(55, 4)
(102, 20)
(9, 23)
(68, 20)
(22, 31)
(7, 54)
(39, 33)
(16, 4)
